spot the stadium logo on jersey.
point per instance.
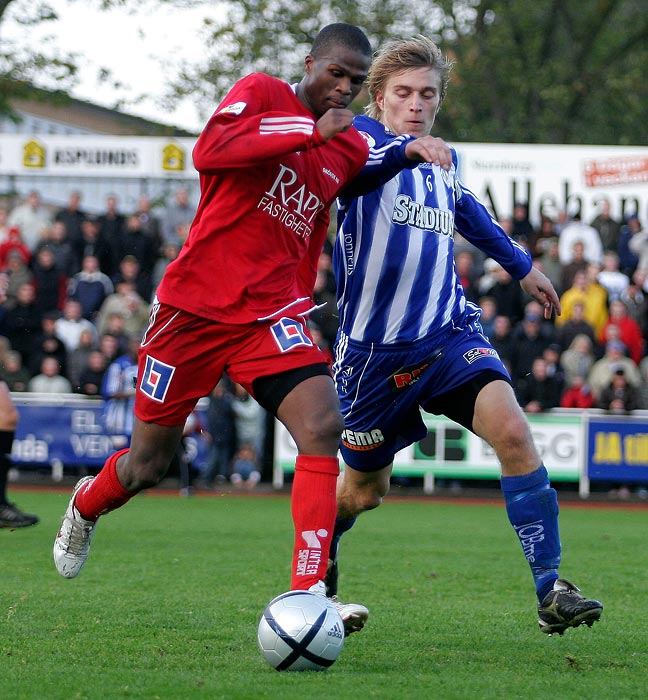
(368, 138)
(362, 440)
(156, 379)
(235, 108)
(409, 212)
(289, 334)
(291, 203)
(478, 353)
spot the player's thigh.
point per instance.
(311, 413)
(500, 421)
(180, 360)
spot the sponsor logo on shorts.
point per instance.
(479, 353)
(156, 379)
(362, 440)
(289, 334)
(408, 375)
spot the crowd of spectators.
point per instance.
(81, 284)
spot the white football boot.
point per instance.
(354, 616)
(72, 543)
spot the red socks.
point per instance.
(314, 508)
(104, 493)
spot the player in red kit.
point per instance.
(272, 159)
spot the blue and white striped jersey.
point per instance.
(393, 256)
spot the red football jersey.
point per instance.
(268, 180)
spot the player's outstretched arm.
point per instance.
(537, 285)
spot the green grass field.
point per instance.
(168, 604)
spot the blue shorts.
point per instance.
(382, 389)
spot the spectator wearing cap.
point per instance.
(591, 295)
(629, 330)
(602, 370)
(619, 396)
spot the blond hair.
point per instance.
(400, 55)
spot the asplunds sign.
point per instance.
(95, 156)
(569, 178)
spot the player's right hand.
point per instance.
(430, 149)
(334, 121)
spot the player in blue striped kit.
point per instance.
(408, 338)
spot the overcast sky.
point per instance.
(132, 46)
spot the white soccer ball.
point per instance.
(300, 631)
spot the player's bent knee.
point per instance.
(324, 426)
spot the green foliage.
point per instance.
(168, 604)
(556, 71)
(559, 71)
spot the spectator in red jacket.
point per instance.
(629, 330)
(13, 242)
(577, 394)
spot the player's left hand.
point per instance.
(430, 149)
(537, 285)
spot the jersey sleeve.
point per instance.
(386, 158)
(247, 128)
(475, 224)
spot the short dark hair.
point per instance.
(340, 34)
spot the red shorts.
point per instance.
(182, 357)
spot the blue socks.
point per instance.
(532, 508)
(342, 525)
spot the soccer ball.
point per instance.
(300, 631)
